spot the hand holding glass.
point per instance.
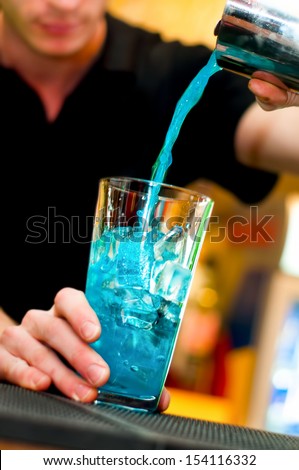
(146, 241)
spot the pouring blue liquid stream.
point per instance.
(188, 100)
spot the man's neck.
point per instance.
(53, 79)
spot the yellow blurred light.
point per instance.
(208, 297)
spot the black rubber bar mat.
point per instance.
(52, 420)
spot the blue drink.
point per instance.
(138, 281)
(146, 241)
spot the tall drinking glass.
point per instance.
(146, 241)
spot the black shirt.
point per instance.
(114, 123)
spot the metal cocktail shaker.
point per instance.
(260, 35)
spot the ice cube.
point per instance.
(139, 309)
(134, 263)
(170, 246)
(172, 282)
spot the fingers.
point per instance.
(164, 400)
(17, 371)
(31, 364)
(269, 78)
(58, 334)
(72, 305)
(271, 93)
(66, 328)
(268, 96)
(29, 351)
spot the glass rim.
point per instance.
(152, 183)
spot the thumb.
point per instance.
(271, 93)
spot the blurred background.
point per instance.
(237, 354)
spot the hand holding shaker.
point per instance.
(260, 35)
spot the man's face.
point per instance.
(53, 27)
